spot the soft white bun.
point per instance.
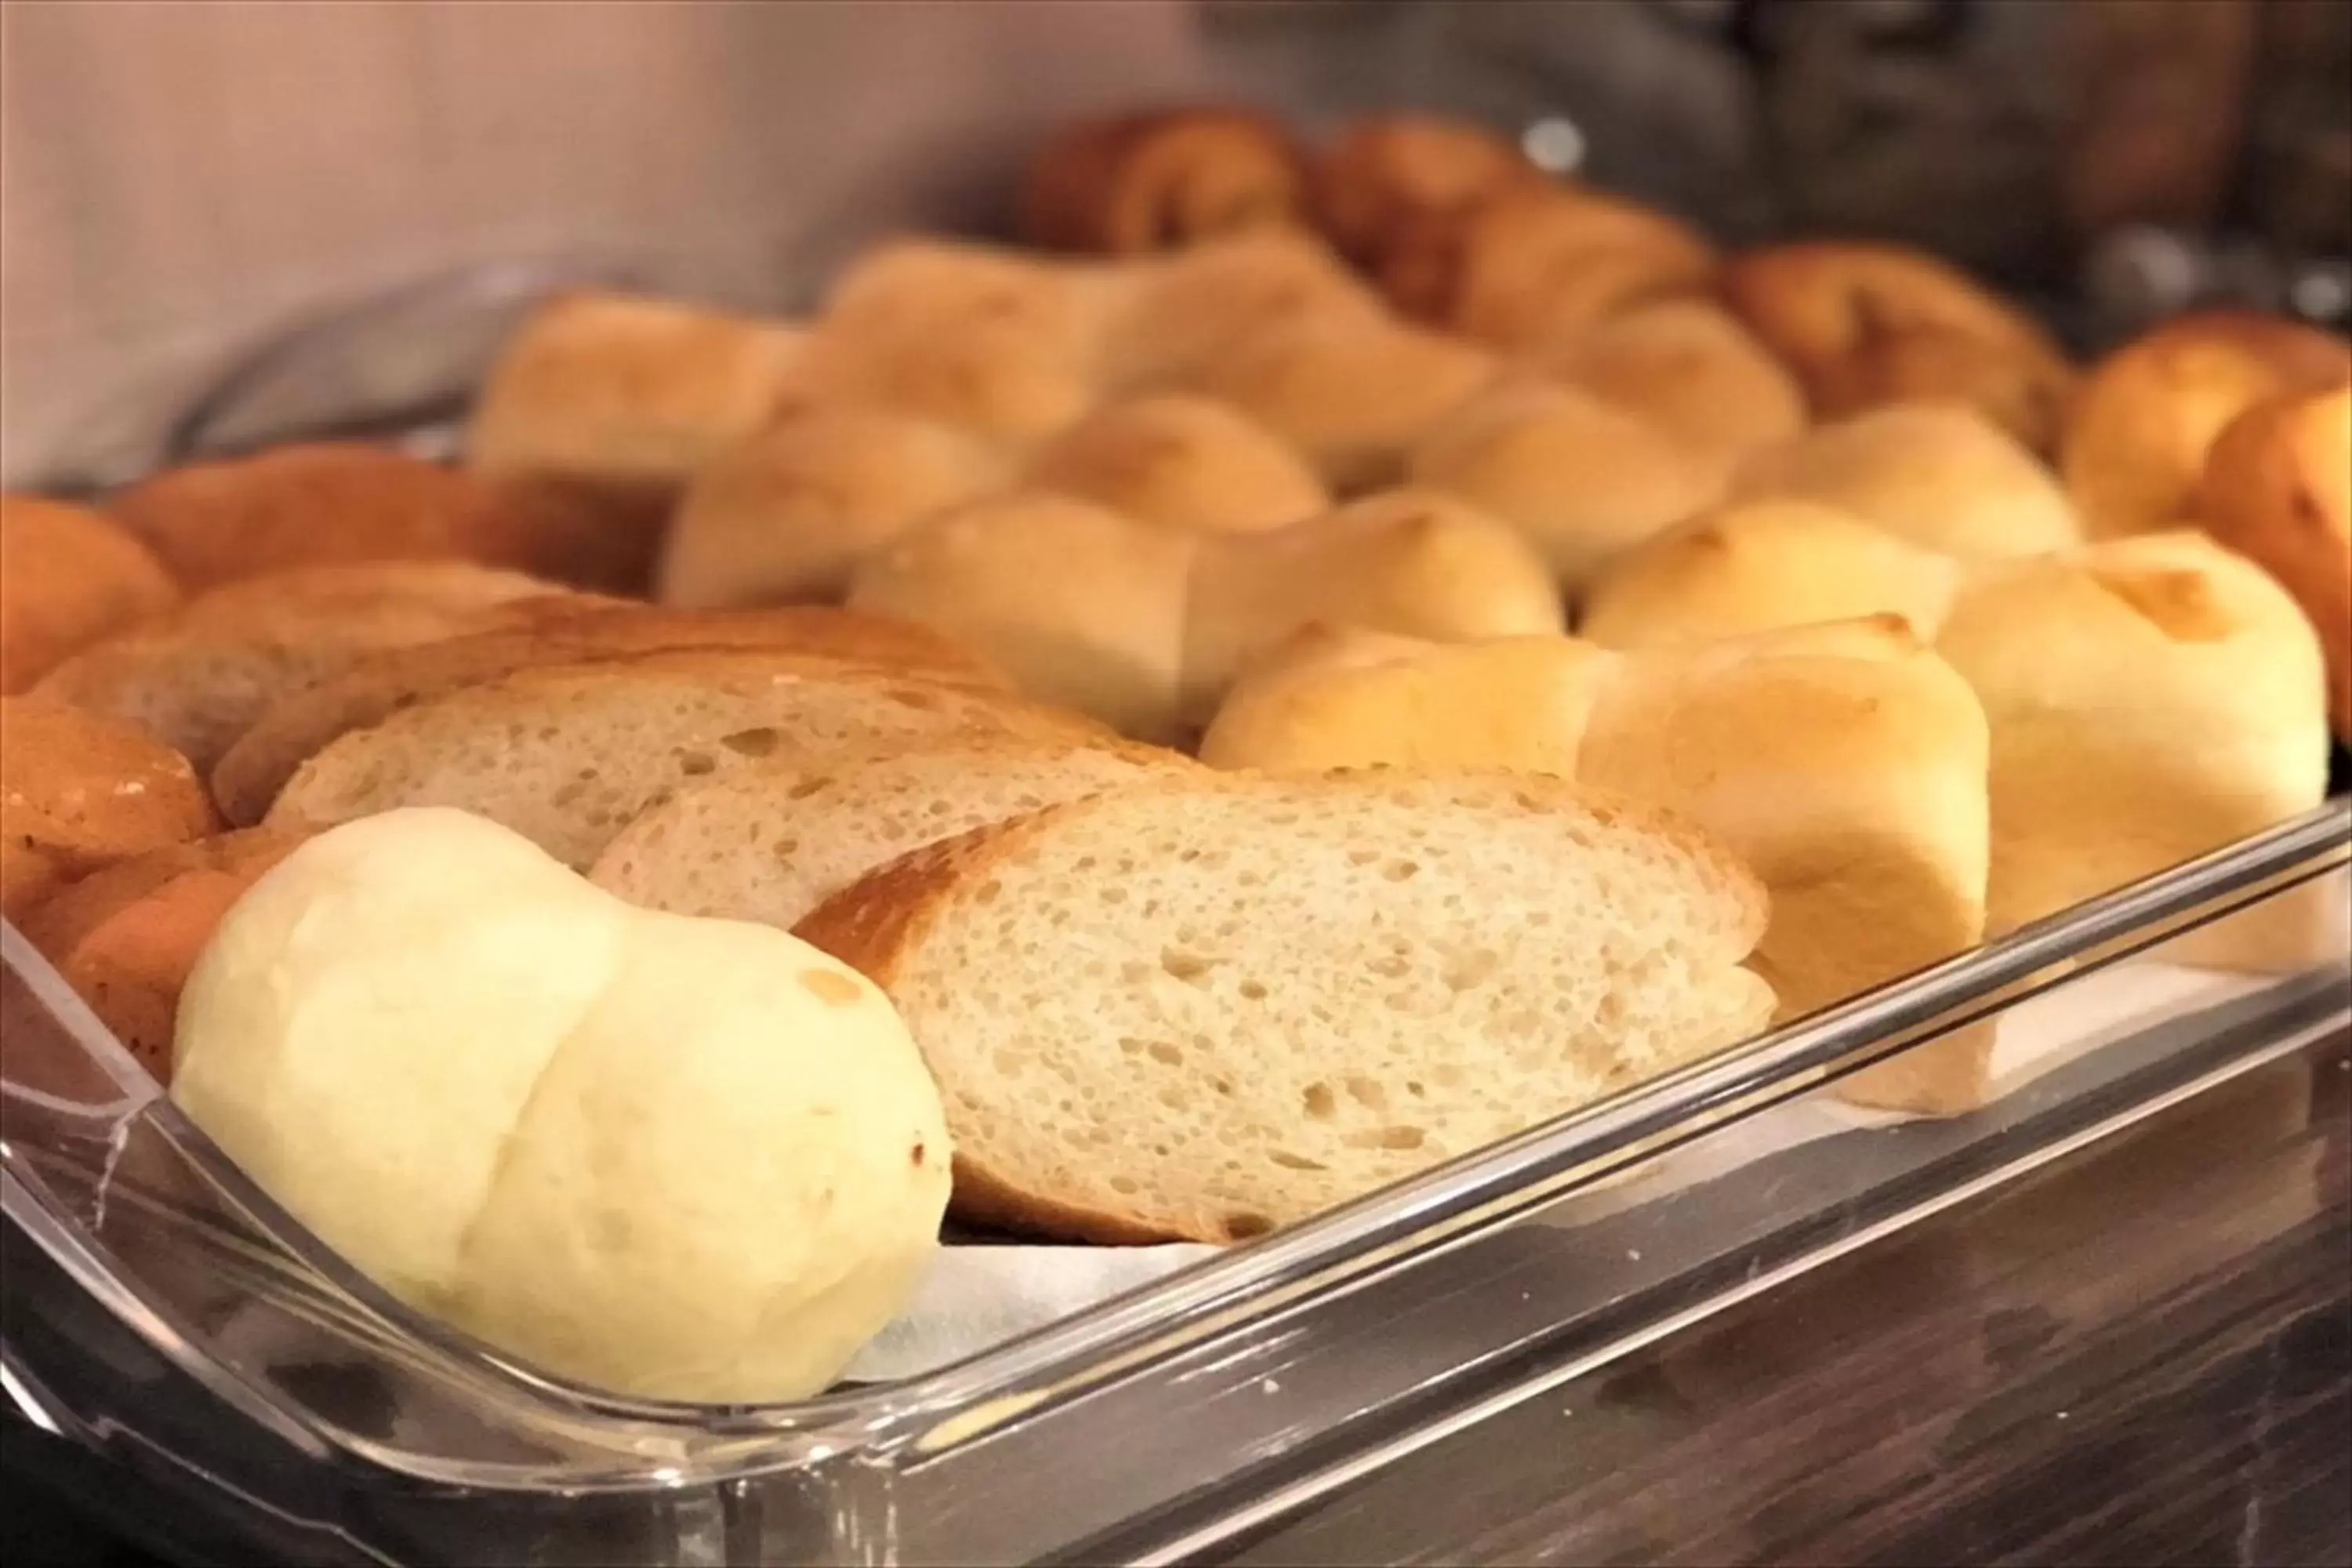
(671, 1157)
(1183, 462)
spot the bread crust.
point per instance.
(79, 792)
(1388, 174)
(1160, 180)
(73, 576)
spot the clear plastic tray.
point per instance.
(162, 1310)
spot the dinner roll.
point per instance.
(1689, 367)
(787, 513)
(1388, 173)
(79, 791)
(1757, 565)
(2149, 413)
(1867, 324)
(1180, 314)
(1937, 475)
(1161, 180)
(69, 576)
(1185, 461)
(667, 1157)
(1583, 479)
(2278, 489)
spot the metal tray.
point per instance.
(164, 1313)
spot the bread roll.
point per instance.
(69, 576)
(789, 512)
(1582, 478)
(1161, 180)
(1179, 315)
(627, 395)
(1689, 367)
(2139, 434)
(567, 754)
(1865, 324)
(1844, 764)
(295, 728)
(333, 503)
(2150, 698)
(125, 937)
(819, 825)
(1390, 173)
(197, 678)
(1183, 461)
(1534, 265)
(1936, 475)
(1762, 565)
(2278, 489)
(676, 1159)
(1292, 991)
(1354, 397)
(79, 792)
(1079, 604)
(1409, 562)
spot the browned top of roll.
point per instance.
(68, 577)
(1390, 171)
(1161, 180)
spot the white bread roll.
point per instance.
(1582, 478)
(1758, 565)
(1410, 561)
(1079, 604)
(1182, 462)
(1692, 369)
(787, 513)
(629, 392)
(1935, 474)
(673, 1158)
(1181, 313)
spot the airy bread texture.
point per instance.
(1583, 479)
(79, 791)
(1763, 564)
(126, 937)
(1845, 763)
(634, 395)
(2139, 434)
(197, 678)
(1937, 475)
(1182, 462)
(1134, 183)
(1179, 315)
(296, 728)
(1865, 325)
(678, 1159)
(1291, 992)
(2278, 489)
(568, 755)
(789, 513)
(69, 576)
(1081, 606)
(771, 843)
(1691, 369)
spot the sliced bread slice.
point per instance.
(771, 843)
(1204, 1008)
(568, 755)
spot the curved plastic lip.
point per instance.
(660, 1445)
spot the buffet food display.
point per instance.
(1332, 659)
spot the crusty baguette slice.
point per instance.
(567, 755)
(771, 843)
(252, 771)
(126, 937)
(1205, 1008)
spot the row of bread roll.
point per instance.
(1143, 628)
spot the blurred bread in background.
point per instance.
(69, 576)
(1386, 174)
(1161, 180)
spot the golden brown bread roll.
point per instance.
(79, 792)
(1390, 173)
(196, 677)
(69, 576)
(1939, 475)
(1538, 265)
(2278, 489)
(2149, 413)
(787, 513)
(1690, 368)
(1179, 314)
(337, 504)
(1161, 180)
(1185, 462)
(126, 937)
(1582, 478)
(1354, 397)
(1866, 324)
